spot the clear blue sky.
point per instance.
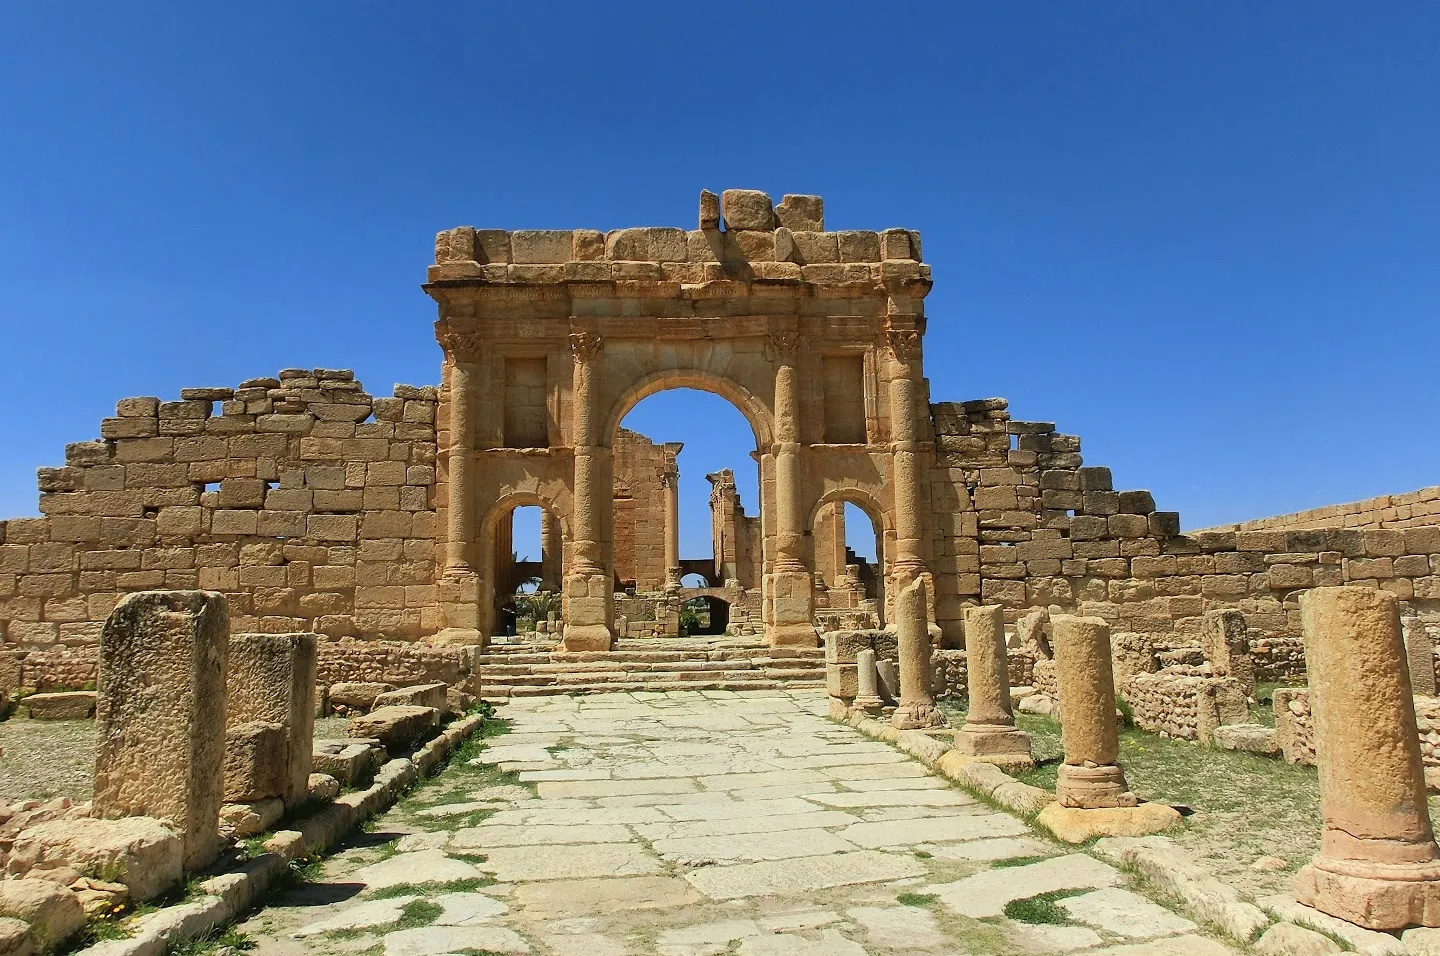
(1204, 236)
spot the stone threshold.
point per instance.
(229, 896)
(1162, 864)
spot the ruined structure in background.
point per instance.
(317, 507)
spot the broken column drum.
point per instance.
(1090, 777)
(916, 708)
(989, 733)
(1378, 865)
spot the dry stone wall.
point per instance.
(1414, 509)
(305, 500)
(1027, 524)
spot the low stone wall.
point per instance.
(51, 668)
(396, 662)
(1413, 509)
(1278, 659)
(1043, 678)
(949, 673)
(1295, 728)
(1187, 706)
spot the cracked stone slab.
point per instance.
(831, 943)
(420, 867)
(908, 833)
(539, 835)
(695, 829)
(359, 916)
(753, 846)
(896, 798)
(569, 861)
(802, 875)
(985, 894)
(899, 927)
(1125, 914)
(430, 940)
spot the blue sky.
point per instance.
(1203, 236)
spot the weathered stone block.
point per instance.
(746, 209)
(138, 851)
(398, 728)
(255, 761)
(61, 705)
(272, 678)
(160, 716)
(53, 912)
(419, 695)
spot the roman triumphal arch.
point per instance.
(551, 336)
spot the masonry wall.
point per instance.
(1027, 524)
(639, 466)
(1414, 509)
(307, 501)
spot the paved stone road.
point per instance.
(704, 823)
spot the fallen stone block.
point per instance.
(322, 787)
(356, 696)
(397, 728)
(61, 705)
(247, 819)
(255, 761)
(1250, 738)
(1078, 824)
(99, 898)
(53, 912)
(418, 695)
(140, 852)
(349, 761)
(15, 938)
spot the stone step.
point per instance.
(500, 693)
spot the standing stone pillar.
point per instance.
(1091, 776)
(551, 547)
(460, 585)
(670, 481)
(1378, 865)
(160, 714)
(916, 709)
(272, 679)
(589, 595)
(791, 583)
(1420, 655)
(1226, 644)
(989, 734)
(867, 697)
(904, 346)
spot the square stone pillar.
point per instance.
(1420, 656)
(1225, 641)
(160, 714)
(272, 679)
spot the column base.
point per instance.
(870, 705)
(1380, 896)
(998, 744)
(1092, 788)
(1075, 825)
(917, 715)
(587, 637)
(792, 635)
(458, 636)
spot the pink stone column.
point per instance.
(1378, 864)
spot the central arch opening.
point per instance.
(687, 510)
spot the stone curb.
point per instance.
(1168, 867)
(232, 894)
(983, 779)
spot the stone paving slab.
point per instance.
(690, 824)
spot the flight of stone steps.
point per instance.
(720, 663)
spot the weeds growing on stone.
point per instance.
(228, 938)
(421, 889)
(1041, 909)
(916, 899)
(418, 913)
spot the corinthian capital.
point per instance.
(903, 343)
(460, 346)
(784, 344)
(584, 345)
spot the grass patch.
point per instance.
(228, 938)
(474, 859)
(916, 899)
(924, 855)
(1042, 909)
(1017, 861)
(421, 889)
(418, 913)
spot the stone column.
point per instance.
(459, 585)
(272, 679)
(160, 714)
(904, 347)
(867, 697)
(1420, 655)
(989, 734)
(670, 481)
(1091, 776)
(792, 611)
(551, 547)
(1378, 865)
(589, 595)
(916, 709)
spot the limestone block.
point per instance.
(322, 788)
(272, 678)
(859, 246)
(1250, 738)
(349, 761)
(709, 210)
(746, 209)
(801, 212)
(418, 695)
(53, 912)
(533, 246)
(140, 852)
(160, 716)
(61, 705)
(813, 248)
(15, 938)
(255, 761)
(247, 819)
(358, 696)
(397, 728)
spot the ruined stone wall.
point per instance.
(1186, 706)
(639, 467)
(305, 500)
(738, 549)
(1414, 509)
(950, 673)
(1026, 524)
(1295, 727)
(396, 662)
